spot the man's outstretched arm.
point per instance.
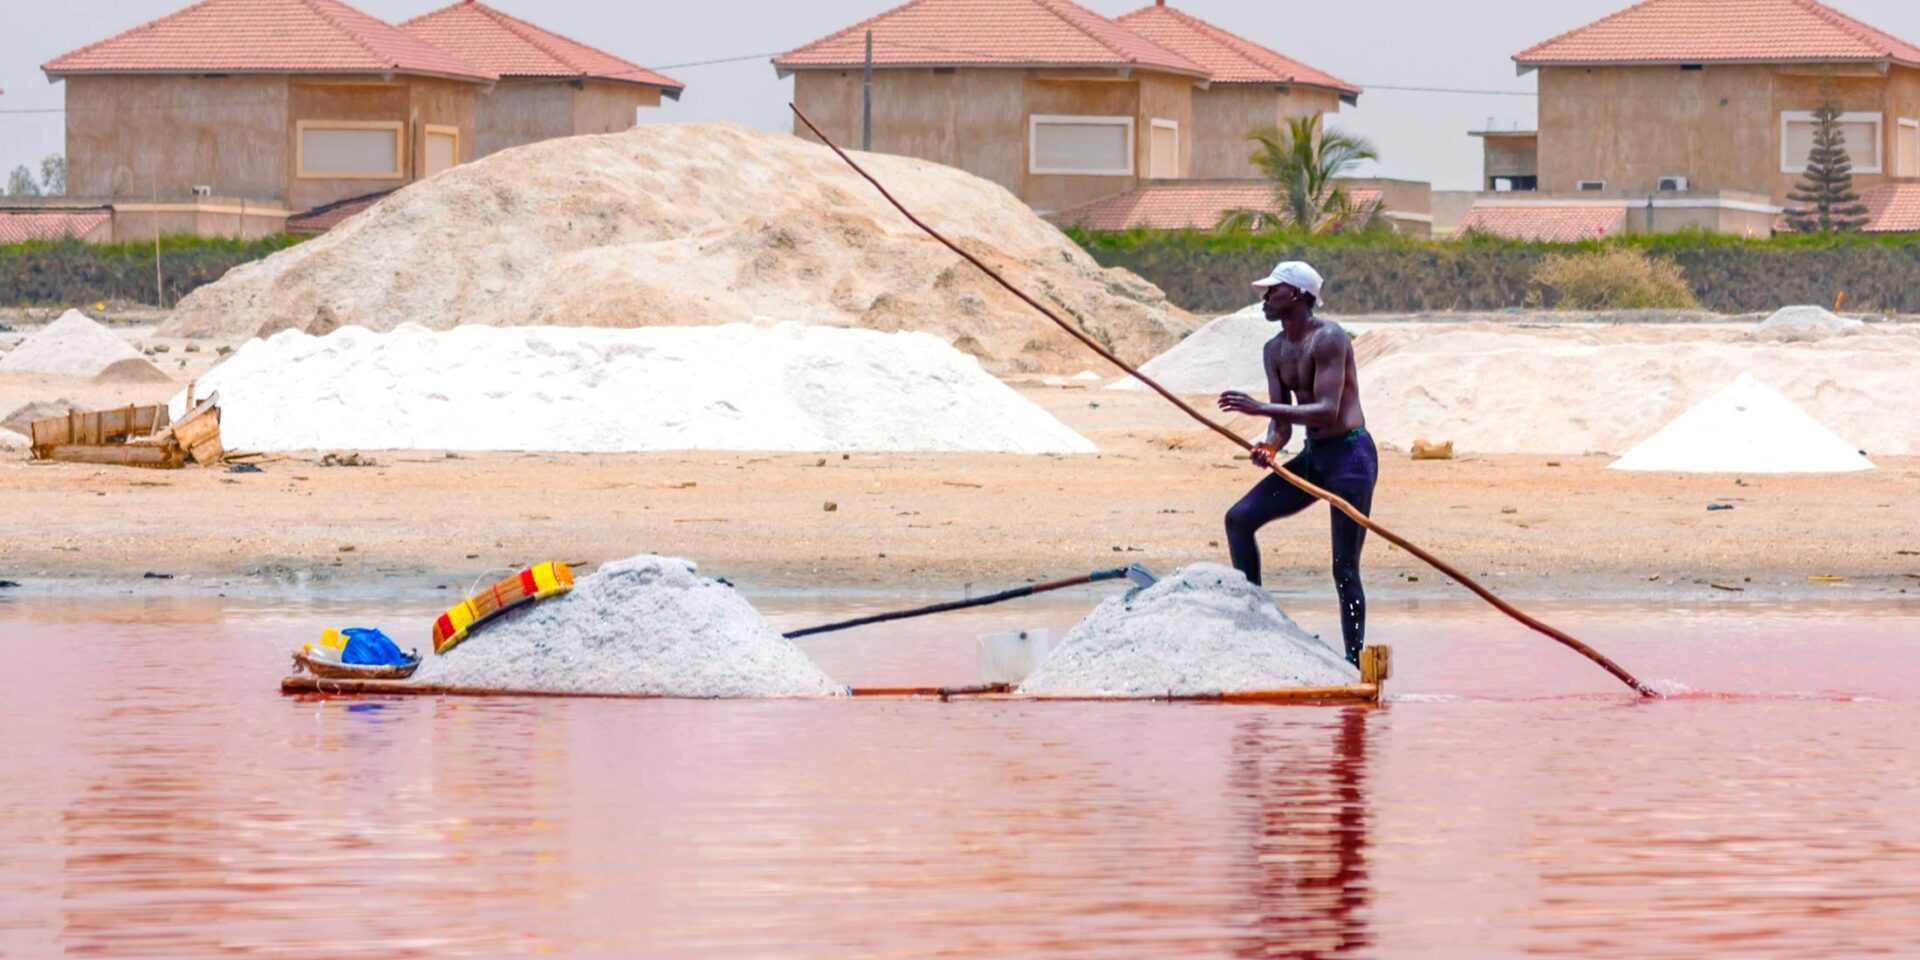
(1329, 380)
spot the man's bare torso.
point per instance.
(1297, 363)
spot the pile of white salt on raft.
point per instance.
(1203, 630)
(643, 625)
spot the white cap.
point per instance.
(1297, 274)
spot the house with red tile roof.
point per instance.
(228, 117)
(1059, 104)
(1251, 87)
(1698, 113)
(550, 86)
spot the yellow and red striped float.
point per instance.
(537, 582)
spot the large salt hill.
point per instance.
(689, 225)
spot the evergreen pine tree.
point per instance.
(1826, 187)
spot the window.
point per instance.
(1092, 146)
(1906, 151)
(1590, 186)
(1163, 153)
(351, 150)
(443, 148)
(1862, 132)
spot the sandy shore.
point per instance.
(1532, 525)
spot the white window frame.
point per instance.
(1581, 186)
(1034, 123)
(1799, 165)
(399, 129)
(426, 141)
(1158, 124)
(1904, 124)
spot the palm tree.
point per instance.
(1305, 163)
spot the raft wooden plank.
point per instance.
(303, 684)
(307, 684)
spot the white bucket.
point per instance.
(1008, 657)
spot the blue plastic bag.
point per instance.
(371, 648)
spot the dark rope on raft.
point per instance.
(1337, 502)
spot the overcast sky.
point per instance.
(1466, 44)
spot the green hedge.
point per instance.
(1208, 273)
(71, 272)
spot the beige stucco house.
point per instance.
(229, 117)
(1058, 104)
(550, 86)
(1698, 113)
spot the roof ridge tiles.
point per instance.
(1253, 54)
(567, 56)
(130, 31)
(1116, 43)
(1556, 38)
(1859, 30)
(1837, 37)
(1054, 7)
(200, 38)
(350, 33)
(513, 25)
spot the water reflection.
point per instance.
(158, 798)
(1307, 811)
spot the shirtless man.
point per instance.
(1312, 381)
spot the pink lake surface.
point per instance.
(159, 798)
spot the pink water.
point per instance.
(1508, 801)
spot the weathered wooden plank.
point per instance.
(166, 457)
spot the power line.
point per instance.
(708, 63)
(1370, 87)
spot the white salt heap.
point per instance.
(1222, 355)
(1571, 387)
(1795, 324)
(75, 346)
(643, 625)
(734, 387)
(1746, 428)
(1204, 629)
(695, 225)
(1580, 388)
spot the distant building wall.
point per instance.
(979, 120)
(971, 119)
(1449, 208)
(1719, 126)
(147, 136)
(413, 103)
(1629, 126)
(1224, 116)
(600, 107)
(1515, 157)
(519, 112)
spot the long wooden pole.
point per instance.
(1337, 502)
(1003, 596)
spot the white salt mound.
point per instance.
(73, 346)
(643, 625)
(12, 442)
(1575, 388)
(22, 418)
(695, 225)
(734, 387)
(1746, 428)
(1204, 629)
(1220, 356)
(1802, 323)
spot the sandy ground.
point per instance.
(1532, 525)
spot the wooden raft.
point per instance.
(1376, 667)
